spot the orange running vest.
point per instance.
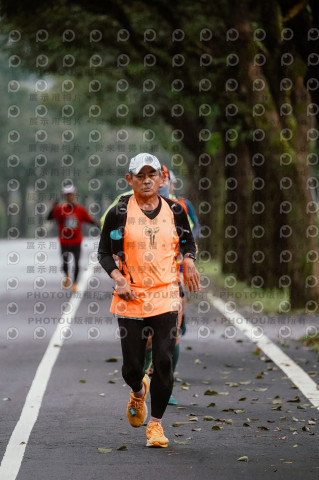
(151, 248)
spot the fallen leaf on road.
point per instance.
(210, 392)
(111, 360)
(104, 450)
(212, 405)
(122, 447)
(178, 424)
(228, 421)
(196, 429)
(306, 429)
(242, 459)
(259, 389)
(82, 381)
(242, 410)
(263, 428)
(207, 418)
(295, 400)
(180, 443)
(217, 427)
(197, 361)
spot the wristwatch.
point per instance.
(190, 255)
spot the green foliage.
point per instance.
(172, 70)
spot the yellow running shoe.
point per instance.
(155, 435)
(136, 410)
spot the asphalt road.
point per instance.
(233, 401)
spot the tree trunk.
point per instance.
(237, 219)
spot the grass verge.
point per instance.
(311, 341)
(258, 300)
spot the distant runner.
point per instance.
(69, 217)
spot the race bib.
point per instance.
(71, 222)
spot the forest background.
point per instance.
(225, 93)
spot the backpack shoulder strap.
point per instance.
(117, 234)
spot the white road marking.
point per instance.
(14, 453)
(296, 374)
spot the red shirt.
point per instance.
(69, 219)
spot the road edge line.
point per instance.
(13, 456)
(294, 372)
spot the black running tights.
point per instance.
(66, 258)
(134, 334)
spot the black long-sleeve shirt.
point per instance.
(106, 246)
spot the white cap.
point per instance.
(142, 159)
(172, 177)
(68, 189)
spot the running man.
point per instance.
(145, 231)
(69, 217)
(166, 190)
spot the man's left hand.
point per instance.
(191, 275)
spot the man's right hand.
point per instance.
(122, 289)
